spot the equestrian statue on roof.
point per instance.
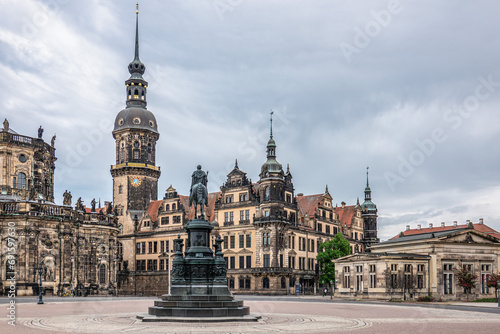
(198, 193)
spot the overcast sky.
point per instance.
(410, 89)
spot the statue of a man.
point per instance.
(199, 176)
(5, 125)
(93, 203)
(40, 132)
(53, 140)
(198, 193)
(79, 204)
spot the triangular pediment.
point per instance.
(470, 236)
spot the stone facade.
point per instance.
(422, 264)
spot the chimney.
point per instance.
(430, 225)
(442, 224)
(454, 223)
(343, 204)
(407, 227)
(481, 221)
(419, 226)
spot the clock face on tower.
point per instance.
(136, 181)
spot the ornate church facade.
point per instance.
(76, 248)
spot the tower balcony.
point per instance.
(135, 165)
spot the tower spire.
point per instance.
(137, 31)
(272, 112)
(367, 184)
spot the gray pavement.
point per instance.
(286, 314)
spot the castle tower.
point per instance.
(369, 215)
(135, 175)
(277, 208)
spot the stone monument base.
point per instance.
(183, 306)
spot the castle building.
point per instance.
(76, 248)
(271, 236)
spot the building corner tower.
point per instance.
(369, 215)
(135, 175)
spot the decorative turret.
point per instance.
(369, 215)
(271, 168)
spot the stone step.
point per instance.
(198, 312)
(197, 297)
(199, 304)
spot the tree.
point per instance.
(492, 282)
(328, 251)
(466, 279)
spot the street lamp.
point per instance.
(498, 286)
(40, 269)
(331, 289)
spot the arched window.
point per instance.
(21, 181)
(102, 274)
(167, 207)
(173, 206)
(265, 283)
(266, 194)
(136, 93)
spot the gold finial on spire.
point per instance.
(137, 8)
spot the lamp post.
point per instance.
(40, 269)
(331, 289)
(498, 286)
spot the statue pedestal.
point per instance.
(199, 291)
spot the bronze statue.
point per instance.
(109, 209)
(198, 193)
(40, 132)
(93, 203)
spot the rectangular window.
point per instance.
(249, 240)
(448, 283)
(140, 265)
(359, 269)
(138, 248)
(136, 155)
(155, 247)
(143, 247)
(232, 262)
(164, 220)
(247, 214)
(231, 238)
(394, 281)
(241, 238)
(408, 268)
(347, 277)
(421, 268)
(320, 227)
(394, 267)
(162, 264)
(420, 281)
(267, 260)
(327, 229)
(281, 260)
(249, 261)
(226, 216)
(162, 246)
(150, 247)
(242, 262)
(373, 281)
(291, 262)
(231, 216)
(226, 242)
(242, 215)
(312, 245)
(167, 246)
(177, 219)
(372, 268)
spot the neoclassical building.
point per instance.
(422, 262)
(77, 248)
